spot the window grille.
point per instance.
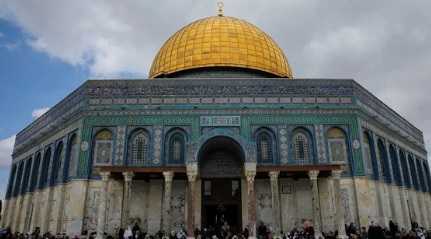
(301, 147)
(264, 147)
(176, 148)
(140, 143)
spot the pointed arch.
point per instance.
(45, 167)
(421, 176)
(35, 172)
(139, 147)
(26, 177)
(302, 145)
(72, 155)
(265, 146)
(395, 165)
(427, 175)
(405, 167)
(103, 147)
(18, 179)
(337, 145)
(56, 164)
(368, 138)
(175, 146)
(11, 181)
(413, 172)
(384, 161)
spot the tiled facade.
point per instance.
(394, 184)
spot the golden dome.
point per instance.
(220, 41)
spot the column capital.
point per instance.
(168, 175)
(192, 176)
(105, 175)
(273, 175)
(250, 174)
(313, 174)
(336, 174)
(128, 176)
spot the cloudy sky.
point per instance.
(48, 48)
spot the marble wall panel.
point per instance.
(263, 202)
(178, 204)
(287, 204)
(114, 206)
(139, 203)
(155, 205)
(74, 207)
(327, 204)
(349, 201)
(303, 197)
(92, 206)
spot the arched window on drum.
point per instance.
(103, 148)
(337, 145)
(138, 147)
(265, 146)
(301, 146)
(176, 148)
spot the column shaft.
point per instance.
(191, 176)
(168, 175)
(251, 207)
(128, 176)
(315, 200)
(275, 196)
(336, 175)
(101, 214)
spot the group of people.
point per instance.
(224, 231)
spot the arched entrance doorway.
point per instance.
(221, 161)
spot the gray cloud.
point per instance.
(384, 45)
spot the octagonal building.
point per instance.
(220, 132)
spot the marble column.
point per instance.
(127, 193)
(168, 175)
(315, 201)
(101, 212)
(191, 176)
(251, 206)
(275, 196)
(339, 208)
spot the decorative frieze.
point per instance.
(224, 100)
(320, 143)
(120, 143)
